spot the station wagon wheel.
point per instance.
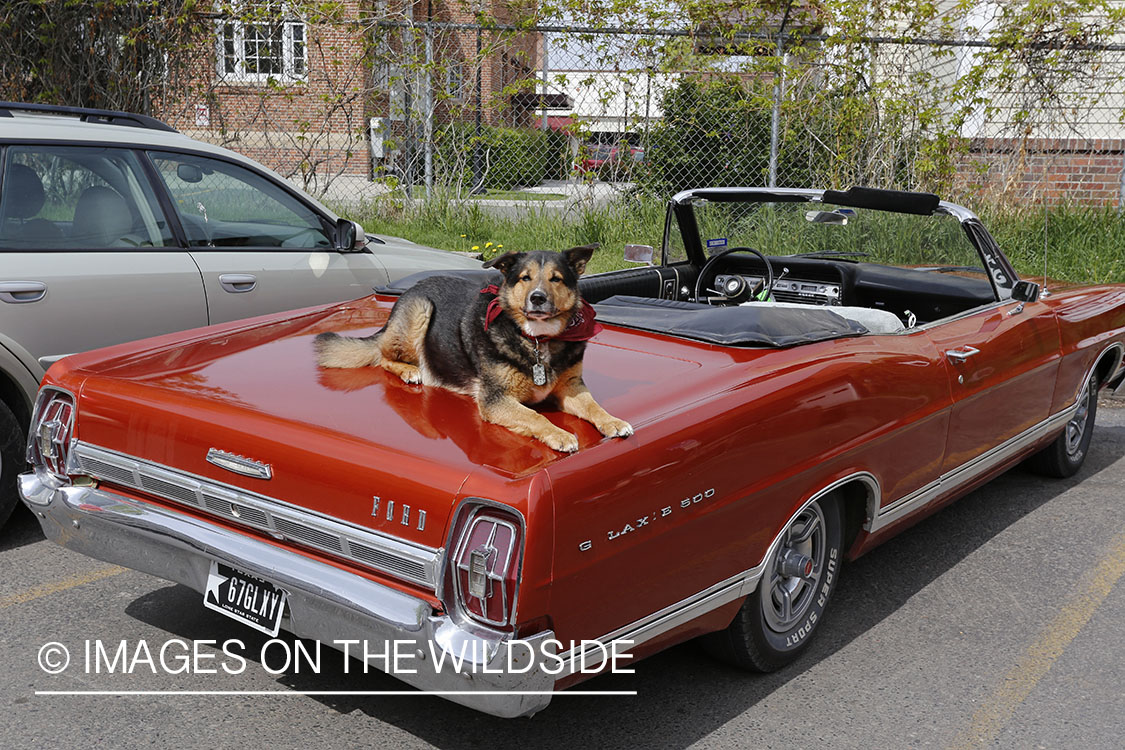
(775, 623)
(1065, 456)
(11, 461)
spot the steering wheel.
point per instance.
(713, 261)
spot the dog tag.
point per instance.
(538, 374)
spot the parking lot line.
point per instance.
(46, 589)
(994, 714)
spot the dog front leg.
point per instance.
(508, 412)
(575, 398)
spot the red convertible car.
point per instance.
(807, 372)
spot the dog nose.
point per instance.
(538, 297)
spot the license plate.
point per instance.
(245, 598)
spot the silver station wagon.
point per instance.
(114, 227)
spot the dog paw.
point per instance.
(561, 441)
(408, 373)
(615, 428)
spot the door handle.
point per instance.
(237, 283)
(21, 292)
(961, 354)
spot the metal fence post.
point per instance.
(775, 112)
(543, 99)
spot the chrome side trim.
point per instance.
(878, 518)
(247, 467)
(735, 587)
(669, 618)
(967, 472)
(411, 562)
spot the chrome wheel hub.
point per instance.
(792, 576)
(1076, 427)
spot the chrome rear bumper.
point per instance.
(325, 603)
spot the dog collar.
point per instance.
(583, 325)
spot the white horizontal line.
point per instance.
(336, 692)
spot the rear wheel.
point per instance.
(776, 623)
(11, 461)
(1065, 456)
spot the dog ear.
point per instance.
(577, 257)
(503, 262)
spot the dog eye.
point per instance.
(525, 277)
(556, 279)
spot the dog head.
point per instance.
(540, 289)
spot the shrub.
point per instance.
(510, 157)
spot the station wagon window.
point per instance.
(224, 205)
(78, 198)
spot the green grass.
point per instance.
(452, 226)
(517, 195)
(493, 194)
(1085, 245)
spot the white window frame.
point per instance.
(294, 49)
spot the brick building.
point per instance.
(354, 93)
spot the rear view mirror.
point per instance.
(189, 173)
(639, 254)
(826, 217)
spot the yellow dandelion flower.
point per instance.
(476, 247)
(499, 246)
(462, 236)
(488, 244)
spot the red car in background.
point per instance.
(609, 160)
(808, 372)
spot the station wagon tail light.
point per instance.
(51, 426)
(485, 565)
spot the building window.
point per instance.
(455, 80)
(261, 44)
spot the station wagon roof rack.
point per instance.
(88, 114)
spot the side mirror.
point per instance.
(639, 254)
(1025, 291)
(189, 173)
(350, 236)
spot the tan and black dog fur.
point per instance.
(436, 335)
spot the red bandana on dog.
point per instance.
(582, 325)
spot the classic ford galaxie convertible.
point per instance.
(807, 372)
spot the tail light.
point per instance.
(483, 572)
(51, 426)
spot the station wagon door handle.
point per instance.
(960, 355)
(20, 292)
(236, 283)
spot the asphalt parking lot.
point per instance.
(998, 622)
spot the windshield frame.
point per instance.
(681, 212)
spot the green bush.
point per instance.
(510, 157)
(716, 132)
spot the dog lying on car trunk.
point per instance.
(507, 346)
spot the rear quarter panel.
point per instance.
(699, 495)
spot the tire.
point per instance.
(1065, 456)
(11, 461)
(765, 636)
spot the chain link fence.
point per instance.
(447, 108)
